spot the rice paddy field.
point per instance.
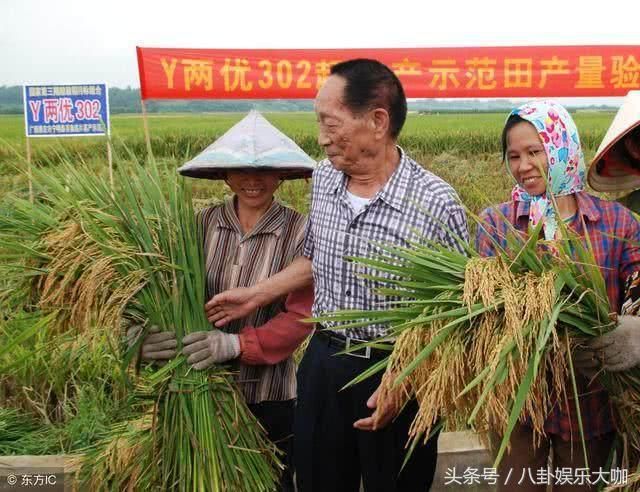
(61, 384)
(463, 148)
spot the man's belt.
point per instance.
(332, 339)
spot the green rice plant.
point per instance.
(14, 427)
(139, 247)
(69, 386)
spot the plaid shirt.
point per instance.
(614, 234)
(412, 205)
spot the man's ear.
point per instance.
(380, 122)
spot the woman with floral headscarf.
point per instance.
(542, 150)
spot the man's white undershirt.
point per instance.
(357, 202)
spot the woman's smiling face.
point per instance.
(254, 189)
(527, 158)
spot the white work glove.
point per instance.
(157, 346)
(615, 351)
(205, 348)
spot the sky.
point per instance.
(66, 41)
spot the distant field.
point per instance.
(449, 128)
(462, 148)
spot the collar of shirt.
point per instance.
(393, 192)
(586, 207)
(270, 223)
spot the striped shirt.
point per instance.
(234, 259)
(414, 204)
(614, 234)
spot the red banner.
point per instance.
(523, 71)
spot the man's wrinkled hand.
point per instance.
(230, 305)
(206, 348)
(384, 412)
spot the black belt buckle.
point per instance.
(367, 349)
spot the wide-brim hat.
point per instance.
(603, 174)
(252, 143)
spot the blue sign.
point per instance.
(66, 110)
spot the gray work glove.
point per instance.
(615, 351)
(205, 348)
(157, 347)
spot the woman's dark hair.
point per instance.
(633, 135)
(371, 84)
(512, 121)
(621, 151)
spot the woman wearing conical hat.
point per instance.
(248, 238)
(616, 168)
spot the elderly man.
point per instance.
(368, 189)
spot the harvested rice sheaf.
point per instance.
(85, 254)
(488, 341)
(439, 381)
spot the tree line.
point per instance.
(128, 101)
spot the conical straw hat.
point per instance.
(253, 143)
(602, 175)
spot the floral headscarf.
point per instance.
(566, 173)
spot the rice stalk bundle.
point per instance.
(488, 341)
(92, 252)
